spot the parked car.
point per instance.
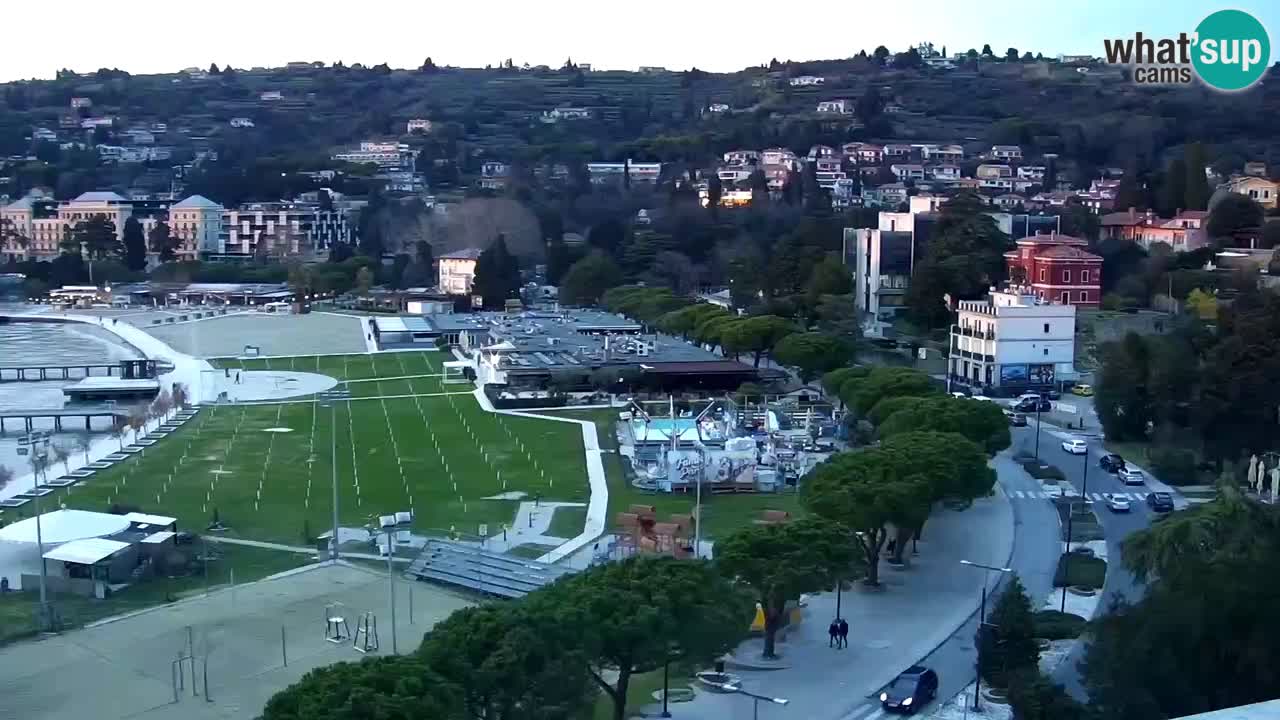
(1132, 476)
(1111, 462)
(1161, 502)
(1115, 503)
(1075, 446)
(1017, 419)
(916, 686)
(1082, 390)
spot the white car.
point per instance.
(1115, 503)
(1075, 447)
(1130, 476)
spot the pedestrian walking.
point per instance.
(834, 632)
(844, 634)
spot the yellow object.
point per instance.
(757, 624)
(1082, 390)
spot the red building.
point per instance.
(1058, 269)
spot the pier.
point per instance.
(88, 413)
(37, 373)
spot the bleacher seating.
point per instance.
(491, 573)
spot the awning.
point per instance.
(86, 552)
(61, 526)
(145, 519)
(158, 537)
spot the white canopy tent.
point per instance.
(62, 526)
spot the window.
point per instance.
(1066, 298)
(1041, 274)
(1046, 351)
(1084, 296)
(1084, 276)
(1066, 276)
(1046, 328)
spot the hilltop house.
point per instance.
(842, 107)
(1006, 152)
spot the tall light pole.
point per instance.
(1071, 512)
(329, 399)
(755, 701)
(982, 621)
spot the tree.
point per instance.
(779, 562)
(635, 615)
(862, 492)
(963, 259)
(1121, 400)
(84, 443)
(134, 245)
(1203, 305)
(986, 51)
(497, 275)
(1173, 189)
(1008, 642)
(1230, 213)
(213, 69)
(881, 54)
(682, 322)
(96, 236)
(885, 382)
(508, 662)
(715, 190)
(813, 353)
(982, 422)
(364, 280)
(399, 687)
(62, 454)
(833, 381)
(829, 277)
(1197, 184)
(1011, 55)
(1032, 696)
(756, 335)
(588, 279)
(162, 243)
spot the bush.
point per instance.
(1041, 470)
(1055, 625)
(1079, 570)
(1174, 465)
(1032, 696)
(1114, 302)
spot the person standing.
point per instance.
(833, 631)
(844, 634)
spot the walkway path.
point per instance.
(302, 549)
(598, 507)
(533, 519)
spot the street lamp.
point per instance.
(755, 701)
(982, 621)
(329, 399)
(1071, 513)
(392, 523)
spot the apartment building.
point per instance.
(1057, 268)
(281, 229)
(610, 172)
(1014, 340)
(380, 153)
(458, 271)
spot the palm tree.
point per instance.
(118, 428)
(62, 454)
(84, 441)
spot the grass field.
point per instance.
(722, 514)
(267, 468)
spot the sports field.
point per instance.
(404, 441)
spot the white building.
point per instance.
(421, 125)
(281, 229)
(458, 271)
(805, 80)
(271, 96)
(843, 107)
(608, 172)
(196, 222)
(81, 102)
(566, 113)
(241, 122)
(1006, 152)
(1013, 340)
(382, 154)
(718, 108)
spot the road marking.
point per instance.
(1096, 496)
(866, 712)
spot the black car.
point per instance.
(916, 686)
(1017, 419)
(1161, 502)
(1030, 405)
(1111, 462)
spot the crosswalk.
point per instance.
(1038, 495)
(869, 711)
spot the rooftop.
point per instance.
(99, 197)
(87, 551)
(62, 526)
(198, 201)
(464, 254)
(1052, 238)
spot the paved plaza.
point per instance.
(123, 668)
(272, 334)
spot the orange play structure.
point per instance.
(639, 531)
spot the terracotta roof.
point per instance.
(1122, 219)
(1052, 239)
(1066, 251)
(1192, 215)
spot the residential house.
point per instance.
(566, 113)
(1001, 184)
(897, 150)
(138, 137)
(281, 229)
(807, 80)
(1006, 152)
(829, 165)
(611, 172)
(1014, 340)
(907, 171)
(892, 194)
(420, 125)
(1031, 172)
(1255, 168)
(1009, 201)
(821, 151)
(731, 175)
(1184, 231)
(384, 154)
(864, 153)
(742, 157)
(651, 69)
(271, 96)
(728, 198)
(943, 172)
(943, 153)
(1260, 190)
(44, 134)
(93, 122)
(718, 108)
(81, 102)
(458, 271)
(842, 107)
(986, 171)
(241, 122)
(1055, 199)
(494, 175)
(1057, 268)
(778, 156)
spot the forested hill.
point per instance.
(1092, 118)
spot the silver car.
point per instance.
(1115, 503)
(1132, 476)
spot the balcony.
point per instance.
(973, 356)
(973, 333)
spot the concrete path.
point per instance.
(918, 609)
(530, 526)
(598, 507)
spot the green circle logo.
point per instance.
(1232, 50)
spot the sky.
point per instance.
(151, 36)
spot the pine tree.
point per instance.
(1197, 184)
(134, 249)
(1008, 639)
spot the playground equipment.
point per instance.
(638, 531)
(186, 659)
(366, 638)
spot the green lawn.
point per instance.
(439, 456)
(722, 513)
(1077, 570)
(531, 551)
(567, 522)
(413, 372)
(18, 610)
